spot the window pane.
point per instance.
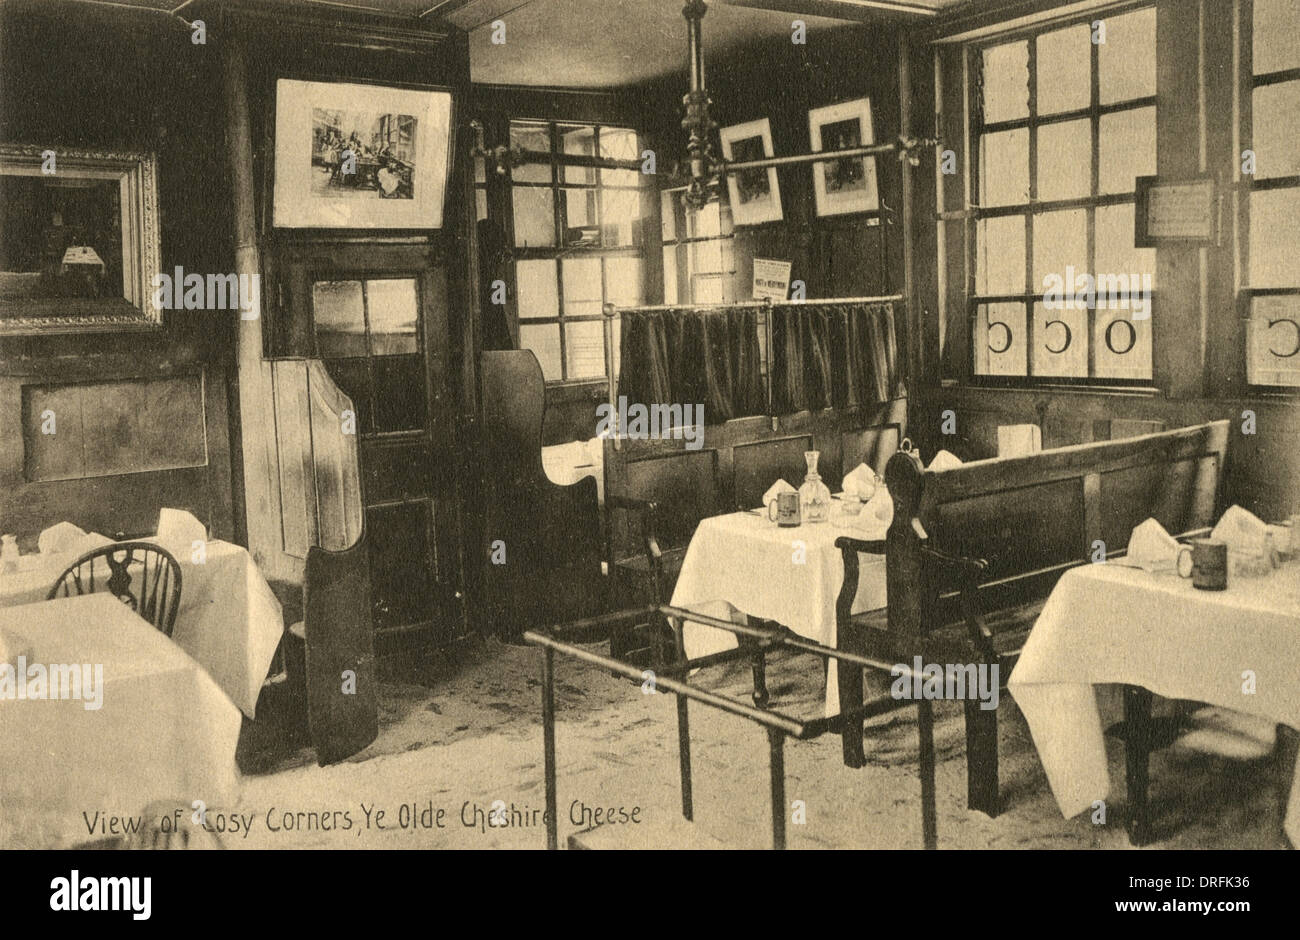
(1000, 339)
(534, 217)
(480, 204)
(585, 350)
(668, 203)
(582, 289)
(1115, 251)
(1275, 119)
(623, 179)
(538, 294)
(399, 393)
(1121, 343)
(1000, 255)
(1274, 238)
(544, 341)
(622, 217)
(1126, 61)
(480, 170)
(706, 257)
(579, 142)
(1064, 160)
(1127, 148)
(531, 137)
(1060, 342)
(623, 281)
(1060, 242)
(670, 275)
(1274, 341)
(1064, 69)
(1004, 168)
(706, 222)
(708, 290)
(618, 144)
(1006, 82)
(394, 311)
(580, 218)
(1276, 35)
(339, 311)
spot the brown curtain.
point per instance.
(824, 355)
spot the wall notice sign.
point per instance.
(771, 279)
(1183, 211)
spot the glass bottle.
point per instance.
(814, 495)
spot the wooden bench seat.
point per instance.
(974, 551)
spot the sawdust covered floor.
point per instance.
(460, 734)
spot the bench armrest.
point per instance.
(969, 572)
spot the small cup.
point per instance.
(1206, 564)
(786, 508)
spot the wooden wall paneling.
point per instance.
(335, 462)
(292, 430)
(758, 465)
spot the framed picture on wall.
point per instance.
(357, 156)
(79, 240)
(846, 185)
(755, 194)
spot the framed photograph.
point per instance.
(1176, 211)
(78, 240)
(755, 194)
(360, 156)
(848, 185)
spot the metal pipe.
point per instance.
(768, 358)
(548, 747)
(769, 719)
(925, 728)
(776, 764)
(610, 313)
(889, 298)
(824, 156)
(684, 756)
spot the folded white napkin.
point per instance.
(180, 528)
(944, 461)
(861, 481)
(61, 538)
(780, 486)
(1151, 548)
(1243, 531)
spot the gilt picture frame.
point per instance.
(79, 240)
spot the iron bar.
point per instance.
(548, 747)
(821, 156)
(776, 763)
(890, 298)
(925, 730)
(684, 756)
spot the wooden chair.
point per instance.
(141, 574)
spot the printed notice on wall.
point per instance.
(771, 279)
(1175, 210)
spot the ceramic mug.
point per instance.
(1206, 564)
(786, 506)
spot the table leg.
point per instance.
(925, 729)
(1137, 751)
(850, 683)
(761, 697)
(684, 756)
(548, 746)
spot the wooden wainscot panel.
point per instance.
(758, 465)
(95, 429)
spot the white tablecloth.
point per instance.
(229, 620)
(164, 728)
(745, 563)
(1110, 624)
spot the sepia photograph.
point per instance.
(518, 426)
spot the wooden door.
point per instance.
(377, 316)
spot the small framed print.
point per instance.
(1176, 211)
(846, 185)
(755, 194)
(360, 156)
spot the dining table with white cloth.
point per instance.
(229, 620)
(1106, 623)
(744, 563)
(163, 728)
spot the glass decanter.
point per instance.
(814, 495)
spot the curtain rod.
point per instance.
(612, 310)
